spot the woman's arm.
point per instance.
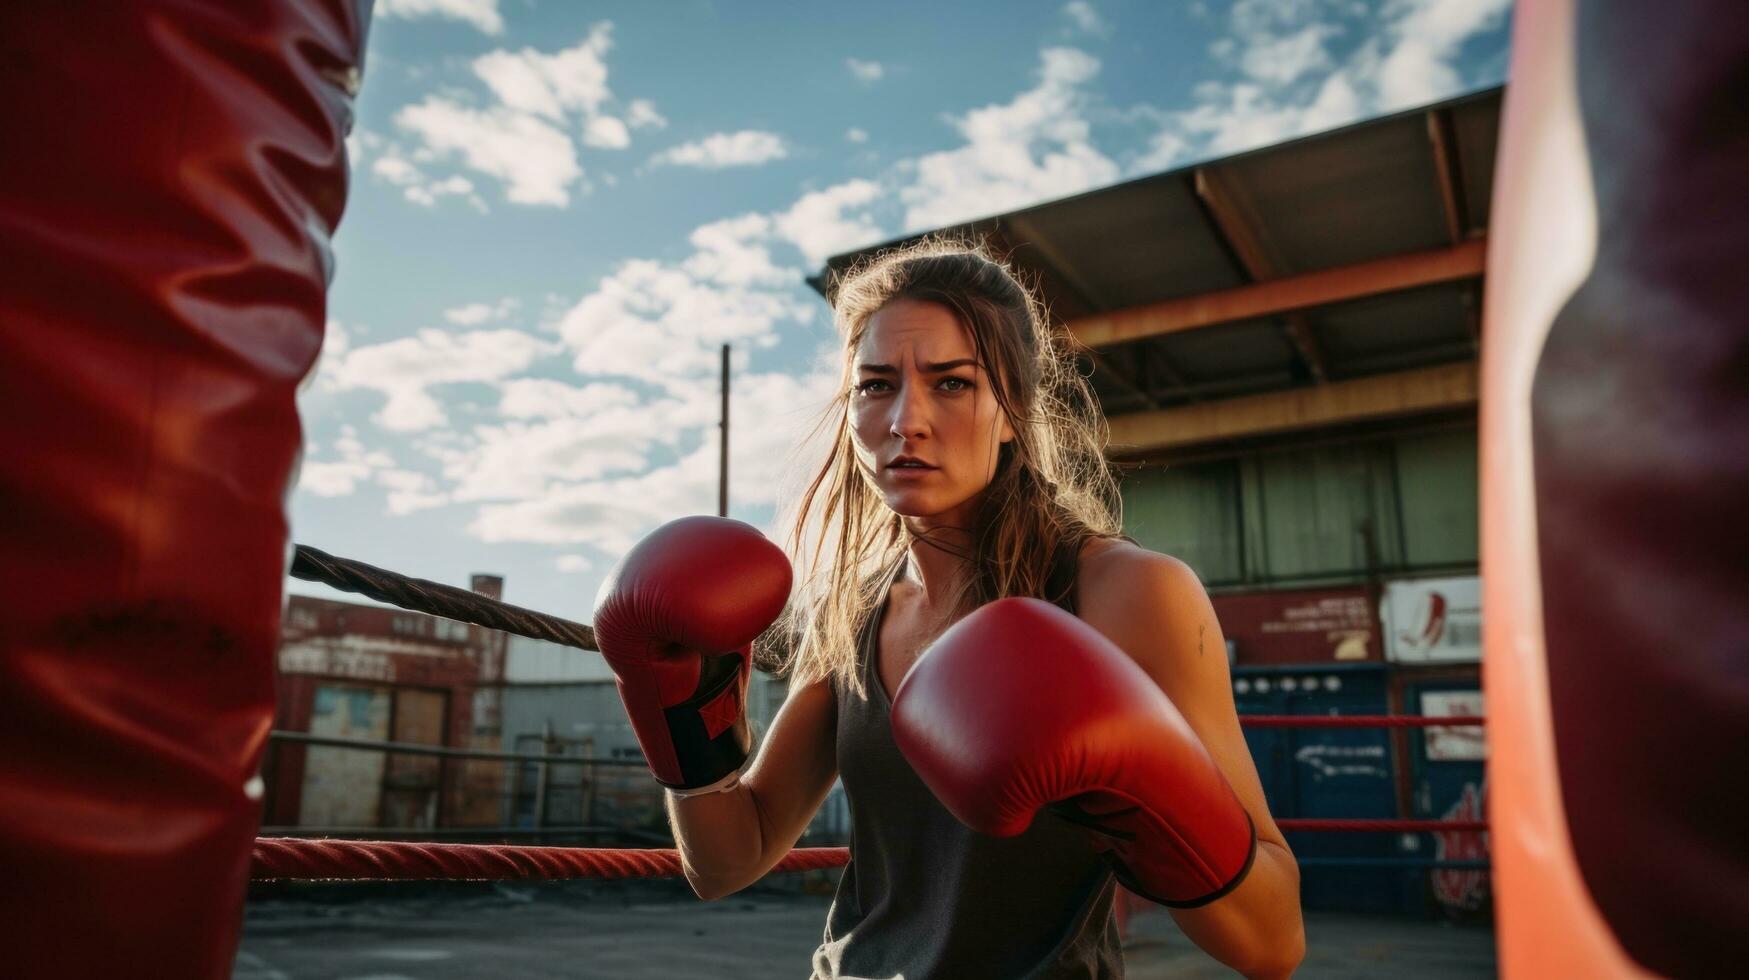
(1156, 610)
(729, 840)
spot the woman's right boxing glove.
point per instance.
(676, 620)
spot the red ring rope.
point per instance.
(277, 858)
(297, 858)
(1356, 721)
(1389, 826)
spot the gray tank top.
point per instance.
(924, 896)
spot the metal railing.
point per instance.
(603, 801)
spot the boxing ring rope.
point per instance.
(284, 858)
(300, 859)
(289, 858)
(437, 599)
(1358, 721)
(1336, 826)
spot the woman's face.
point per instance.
(918, 391)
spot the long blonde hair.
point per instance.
(1052, 488)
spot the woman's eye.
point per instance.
(961, 383)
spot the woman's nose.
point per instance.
(911, 412)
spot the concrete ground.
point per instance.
(657, 929)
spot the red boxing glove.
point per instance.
(676, 619)
(1022, 706)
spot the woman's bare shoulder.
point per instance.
(1111, 560)
(1121, 581)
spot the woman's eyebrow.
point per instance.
(927, 368)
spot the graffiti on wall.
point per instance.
(1461, 889)
(1326, 761)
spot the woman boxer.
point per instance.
(1042, 752)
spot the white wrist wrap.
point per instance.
(722, 785)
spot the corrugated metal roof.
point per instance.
(1414, 182)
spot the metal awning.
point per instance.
(1328, 281)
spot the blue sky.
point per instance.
(560, 210)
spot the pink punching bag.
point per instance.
(171, 174)
(1615, 471)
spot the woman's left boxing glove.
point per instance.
(1021, 707)
(676, 619)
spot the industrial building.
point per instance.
(505, 709)
(1285, 343)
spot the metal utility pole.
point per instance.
(723, 444)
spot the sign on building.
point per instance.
(1433, 620)
(1454, 743)
(1303, 626)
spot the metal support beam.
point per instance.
(1057, 284)
(1236, 222)
(1016, 233)
(1385, 396)
(1278, 296)
(1450, 174)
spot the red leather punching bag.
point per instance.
(1615, 470)
(169, 177)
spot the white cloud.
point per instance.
(557, 434)
(749, 147)
(770, 414)
(642, 113)
(523, 137)
(546, 398)
(731, 253)
(454, 185)
(573, 563)
(1284, 59)
(866, 72)
(340, 477)
(404, 369)
(610, 515)
(819, 225)
(606, 133)
(1036, 147)
(1421, 66)
(1290, 80)
(1084, 17)
(536, 160)
(416, 186)
(549, 85)
(856, 135)
(483, 14)
(474, 314)
(332, 478)
(663, 324)
(1165, 148)
(396, 169)
(522, 460)
(408, 490)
